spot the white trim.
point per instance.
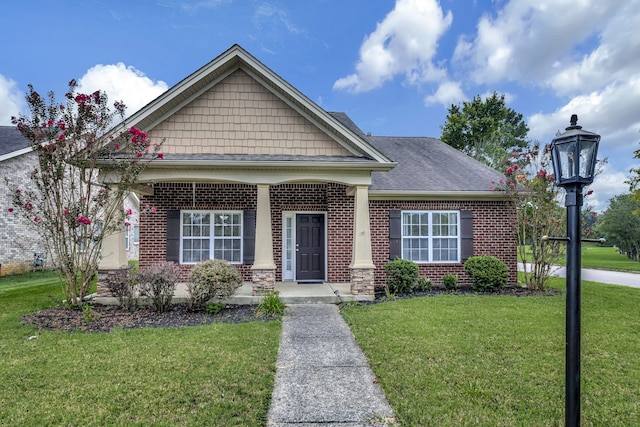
(16, 153)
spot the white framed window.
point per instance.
(127, 228)
(136, 234)
(210, 235)
(431, 236)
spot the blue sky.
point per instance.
(393, 66)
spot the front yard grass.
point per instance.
(467, 360)
(601, 258)
(220, 374)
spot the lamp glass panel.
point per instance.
(566, 158)
(587, 158)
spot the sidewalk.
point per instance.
(322, 376)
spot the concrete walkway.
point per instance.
(322, 376)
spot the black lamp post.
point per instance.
(574, 160)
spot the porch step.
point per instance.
(290, 293)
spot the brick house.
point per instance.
(256, 173)
(18, 240)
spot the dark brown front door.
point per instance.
(310, 247)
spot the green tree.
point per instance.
(70, 209)
(634, 180)
(486, 130)
(620, 224)
(531, 187)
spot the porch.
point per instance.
(290, 293)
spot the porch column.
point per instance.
(113, 257)
(362, 268)
(264, 267)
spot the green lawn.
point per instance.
(604, 258)
(463, 360)
(219, 374)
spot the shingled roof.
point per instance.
(425, 165)
(11, 140)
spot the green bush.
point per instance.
(401, 276)
(121, 286)
(450, 282)
(487, 272)
(158, 283)
(271, 306)
(424, 284)
(213, 279)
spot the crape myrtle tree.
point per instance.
(530, 185)
(71, 210)
(486, 130)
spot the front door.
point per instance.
(310, 247)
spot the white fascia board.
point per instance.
(16, 153)
(436, 195)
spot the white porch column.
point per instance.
(113, 258)
(264, 267)
(362, 267)
(361, 255)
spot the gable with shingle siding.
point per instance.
(240, 116)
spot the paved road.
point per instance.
(602, 276)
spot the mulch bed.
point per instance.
(105, 318)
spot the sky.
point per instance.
(395, 67)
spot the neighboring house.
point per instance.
(18, 240)
(256, 173)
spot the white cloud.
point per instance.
(606, 185)
(530, 40)
(448, 93)
(404, 43)
(11, 100)
(274, 17)
(122, 83)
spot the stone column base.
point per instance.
(362, 281)
(264, 281)
(107, 275)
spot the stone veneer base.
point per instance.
(264, 281)
(362, 281)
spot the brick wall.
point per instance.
(492, 230)
(493, 234)
(18, 240)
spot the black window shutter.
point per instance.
(173, 236)
(249, 236)
(395, 234)
(466, 234)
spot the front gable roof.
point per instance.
(233, 64)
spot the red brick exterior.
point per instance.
(493, 232)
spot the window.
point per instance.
(136, 234)
(431, 236)
(210, 235)
(126, 236)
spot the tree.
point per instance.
(532, 190)
(66, 204)
(634, 180)
(621, 225)
(486, 130)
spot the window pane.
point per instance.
(136, 234)
(445, 249)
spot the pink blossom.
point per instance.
(590, 192)
(61, 137)
(83, 220)
(153, 210)
(28, 206)
(65, 212)
(160, 156)
(510, 170)
(116, 146)
(18, 191)
(61, 125)
(127, 223)
(491, 187)
(50, 122)
(138, 154)
(129, 212)
(36, 219)
(541, 173)
(10, 209)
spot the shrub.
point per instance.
(158, 283)
(450, 282)
(122, 287)
(214, 308)
(424, 284)
(401, 276)
(211, 279)
(487, 272)
(271, 306)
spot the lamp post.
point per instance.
(573, 154)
